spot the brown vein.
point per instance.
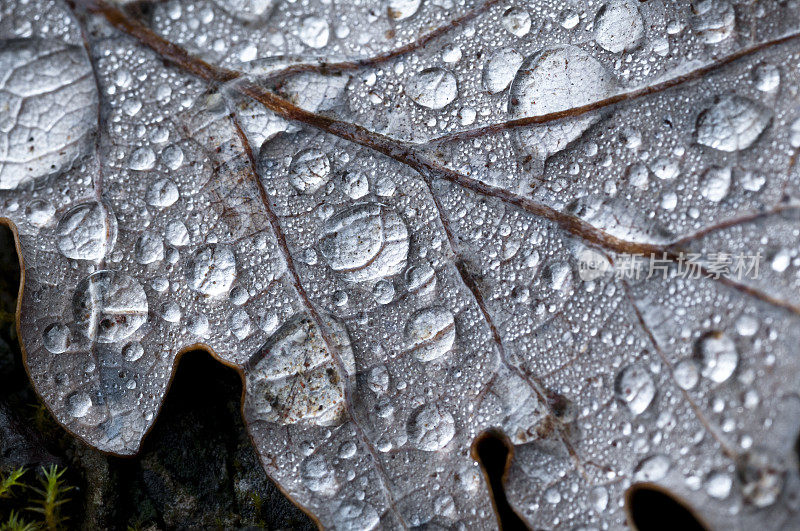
(472, 285)
(344, 66)
(730, 452)
(621, 97)
(280, 238)
(405, 154)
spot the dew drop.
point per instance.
(212, 270)
(517, 21)
(109, 306)
(732, 123)
(86, 232)
(431, 333)
(433, 88)
(635, 388)
(367, 241)
(309, 170)
(718, 356)
(430, 428)
(618, 26)
(56, 338)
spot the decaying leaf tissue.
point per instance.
(409, 222)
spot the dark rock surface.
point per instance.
(197, 467)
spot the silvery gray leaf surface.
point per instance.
(407, 222)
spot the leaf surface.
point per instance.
(383, 215)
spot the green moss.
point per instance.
(51, 497)
(15, 523)
(9, 482)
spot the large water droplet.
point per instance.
(309, 170)
(365, 242)
(430, 427)
(109, 306)
(635, 388)
(314, 31)
(56, 338)
(618, 26)
(318, 476)
(212, 270)
(713, 20)
(732, 123)
(86, 232)
(545, 84)
(431, 333)
(500, 69)
(49, 108)
(401, 9)
(294, 377)
(433, 88)
(517, 21)
(78, 405)
(718, 356)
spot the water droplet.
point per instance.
(500, 69)
(245, 10)
(356, 185)
(716, 183)
(142, 159)
(365, 242)
(718, 485)
(686, 374)
(197, 325)
(747, 325)
(598, 499)
(212, 270)
(133, 351)
(162, 193)
(149, 248)
(732, 123)
(109, 306)
(314, 31)
(401, 9)
(664, 168)
(652, 468)
(176, 233)
(309, 170)
(635, 388)
(78, 404)
(40, 212)
(766, 77)
(86, 232)
(517, 21)
(296, 379)
(317, 475)
(618, 26)
(568, 19)
(347, 450)
(56, 338)
(421, 279)
(430, 427)
(718, 356)
(378, 380)
(761, 476)
(543, 85)
(383, 291)
(355, 514)
(172, 156)
(713, 20)
(431, 333)
(434, 88)
(240, 324)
